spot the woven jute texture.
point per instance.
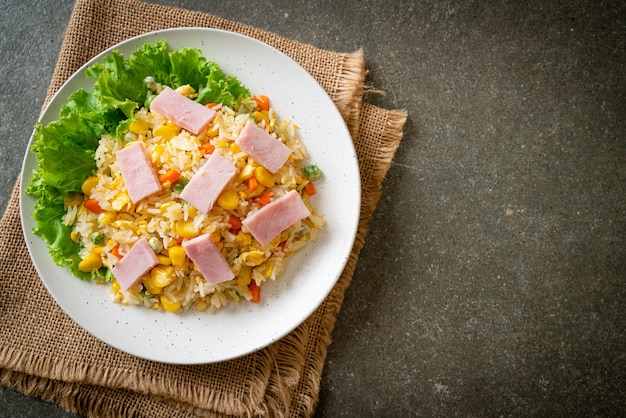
(44, 353)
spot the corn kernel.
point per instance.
(185, 90)
(234, 148)
(90, 263)
(166, 261)
(213, 132)
(139, 127)
(264, 177)
(192, 211)
(148, 283)
(177, 255)
(269, 267)
(169, 304)
(167, 131)
(228, 199)
(162, 275)
(186, 229)
(88, 185)
(74, 236)
(260, 116)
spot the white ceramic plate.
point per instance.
(236, 330)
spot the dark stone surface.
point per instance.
(493, 281)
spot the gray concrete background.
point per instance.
(493, 281)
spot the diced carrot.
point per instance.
(282, 245)
(170, 175)
(93, 205)
(253, 183)
(116, 251)
(309, 188)
(255, 290)
(207, 148)
(262, 102)
(210, 105)
(234, 222)
(179, 240)
(264, 199)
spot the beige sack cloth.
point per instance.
(44, 353)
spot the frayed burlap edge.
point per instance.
(302, 375)
(284, 375)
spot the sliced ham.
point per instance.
(139, 260)
(275, 217)
(208, 259)
(184, 112)
(208, 182)
(262, 147)
(139, 176)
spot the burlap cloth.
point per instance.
(44, 353)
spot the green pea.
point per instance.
(312, 172)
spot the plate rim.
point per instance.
(26, 211)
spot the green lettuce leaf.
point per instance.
(65, 148)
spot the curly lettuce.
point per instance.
(65, 148)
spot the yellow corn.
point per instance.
(162, 275)
(164, 260)
(88, 185)
(228, 199)
(156, 153)
(234, 148)
(148, 283)
(262, 115)
(264, 177)
(191, 211)
(177, 255)
(90, 263)
(213, 132)
(169, 304)
(185, 90)
(254, 257)
(74, 236)
(258, 192)
(139, 127)
(106, 217)
(186, 229)
(269, 267)
(167, 131)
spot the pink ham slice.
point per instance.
(184, 112)
(139, 260)
(208, 259)
(262, 147)
(207, 184)
(275, 217)
(139, 176)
